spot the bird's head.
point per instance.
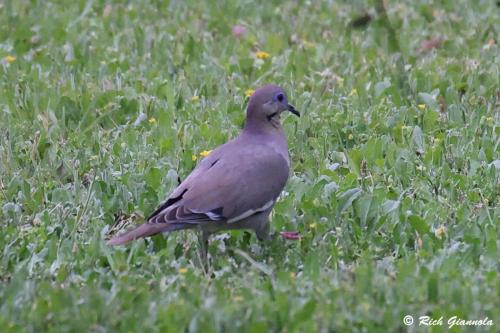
(266, 105)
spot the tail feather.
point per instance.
(144, 230)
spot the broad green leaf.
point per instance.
(363, 208)
(390, 205)
(418, 138)
(345, 199)
(381, 87)
(354, 158)
(418, 224)
(429, 100)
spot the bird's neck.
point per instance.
(267, 135)
(267, 132)
(264, 126)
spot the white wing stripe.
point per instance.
(250, 212)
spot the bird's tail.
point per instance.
(144, 230)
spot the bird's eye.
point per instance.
(280, 97)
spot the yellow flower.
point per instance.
(313, 225)
(421, 106)
(489, 120)
(152, 120)
(193, 157)
(353, 92)
(205, 153)
(249, 92)
(195, 98)
(93, 157)
(350, 137)
(10, 59)
(440, 232)
(237, 298)
(262, 55)
(183, 270)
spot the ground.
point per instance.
(394, 190)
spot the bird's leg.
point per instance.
(203, 251)
(263, 232)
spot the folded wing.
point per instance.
(226, 187)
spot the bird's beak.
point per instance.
(291, 108)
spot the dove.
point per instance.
(236, 185)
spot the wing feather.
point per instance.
(229, 184)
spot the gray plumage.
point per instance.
(237, 184)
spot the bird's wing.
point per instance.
(232, 183)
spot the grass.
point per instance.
(396, 167)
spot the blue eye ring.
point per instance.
(280, 97)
